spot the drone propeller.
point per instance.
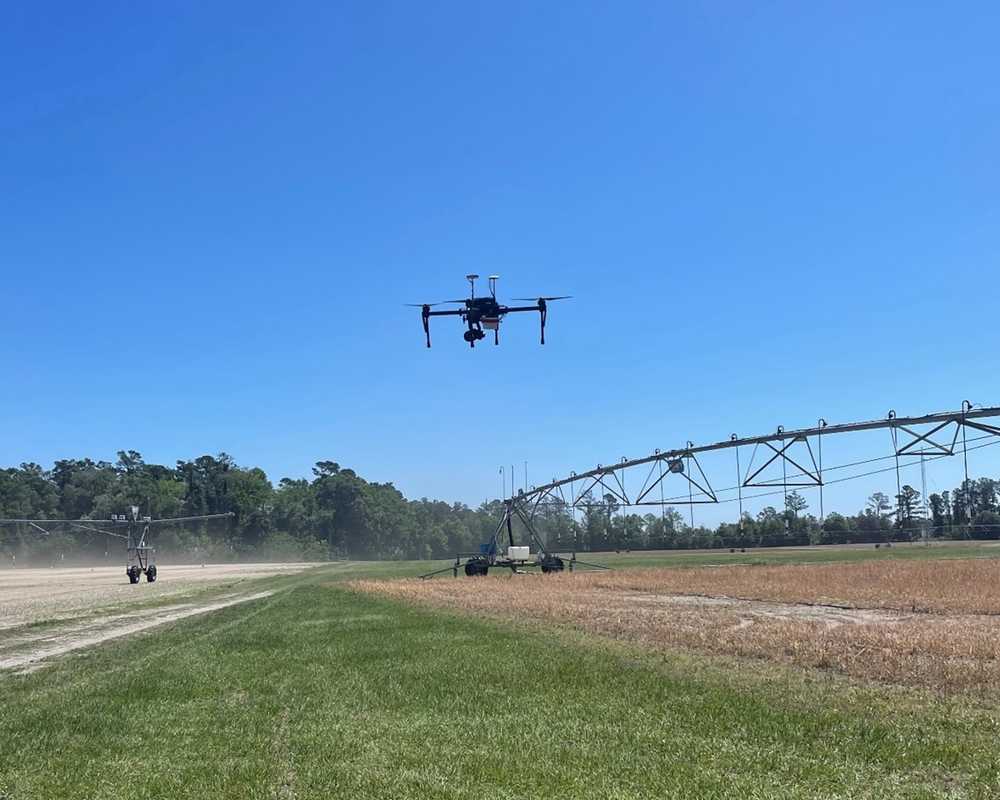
(532, 299)
(429, 305)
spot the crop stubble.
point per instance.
(930, 623)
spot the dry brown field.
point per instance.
(930, 623)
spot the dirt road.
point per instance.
(82, 607)
(26, 652)
(35, 595)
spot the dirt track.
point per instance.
(88, 606)
(34, 595)
(25, 653)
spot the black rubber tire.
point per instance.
(133, 574)
(476, 568)
(553, 564)
(150, 574)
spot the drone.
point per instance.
(483, 314)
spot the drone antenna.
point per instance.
(493, 286)
(472, 282)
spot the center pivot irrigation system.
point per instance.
(779, 461)
(517, 558)
(133, 528)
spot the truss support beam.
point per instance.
(805, 476)
(675, 466)
(618, 491)
(979, 426)
(608, 478)
(922, 444)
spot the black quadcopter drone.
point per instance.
(483, 312)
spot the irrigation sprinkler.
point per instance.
(132, 527)
(518, 558)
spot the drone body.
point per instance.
(483, 314)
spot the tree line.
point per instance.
(338, 514)
(971, 511)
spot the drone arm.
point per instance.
(426, 314)
(541, 307)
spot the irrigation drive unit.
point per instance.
(516, 558)
(141, 559)
(133, 528)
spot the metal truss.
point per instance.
(616, 491)
(923, 444)
(798, 453)
(806, 476)
(120, 521)
(676, 466)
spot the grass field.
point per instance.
(796, 555)
(933, 623)
(320, 691)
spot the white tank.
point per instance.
(519, 553)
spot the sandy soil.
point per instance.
(35, 595)
(25, 653)
(750, 610)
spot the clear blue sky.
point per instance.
(211, 215)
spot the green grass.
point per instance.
(317, 692)
(795, 555)
(696, 558)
